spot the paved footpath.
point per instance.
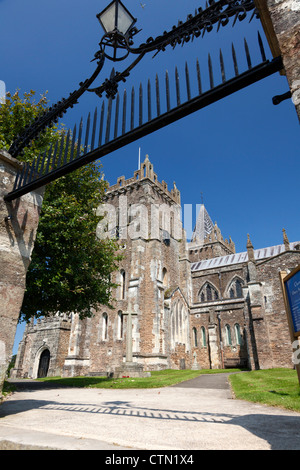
(199, 414)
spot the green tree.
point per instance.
(71, 268)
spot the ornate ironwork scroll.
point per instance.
(51, 116)
(216, 13)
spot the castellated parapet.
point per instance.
(146, 172)
(211, 245)
(46, 334)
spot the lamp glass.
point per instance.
(107, 18)
(125, 20)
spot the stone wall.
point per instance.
(18, 225)
(281, 22)
(275, 338)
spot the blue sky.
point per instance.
(242, 153)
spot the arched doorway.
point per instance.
(44, 364)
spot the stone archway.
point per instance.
(43, 364)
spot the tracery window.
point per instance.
(208, 293)
(235, 289)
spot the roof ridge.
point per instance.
(242, 256)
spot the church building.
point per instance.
(178, 304)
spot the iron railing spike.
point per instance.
(255, 12)
(261, 47)
(132, 109)
(157, 95)
(48, 161)
(36, 170)
(124, 112)
(177, 86)
(55, 152)
(211, 77)
(236, 70)
(101, 124)
(19, 172)
(30, 173)
(22, 174)
(168, 91)
(87, 133)
(79, 138)
(235, 18)
(66, 149)
(247, 54)
(43, 162)
(222, 67)
(117, 116)
(219, 24)
(187, 78)
(140, 105)
(108, 120)
(112, 73)
(73, 143)
(94, 129)
(26, 173)
(199, 77)
(149, 100)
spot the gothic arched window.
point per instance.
(120, 325)
(208, 293)
(122, 284)
(104, 326)
(228, 335)
(195, 337)
(165, 277)
(203, 336)
(238, 336)
(235, 289)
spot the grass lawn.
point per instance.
(7, 389)
(158, 379)
(273, 387)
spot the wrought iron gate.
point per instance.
(110, 129)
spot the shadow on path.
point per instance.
(280, 431)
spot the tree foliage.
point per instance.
(71, 268)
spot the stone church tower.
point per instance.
(144, 216)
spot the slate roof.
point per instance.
(237, 258)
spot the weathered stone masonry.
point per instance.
(18, 226)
